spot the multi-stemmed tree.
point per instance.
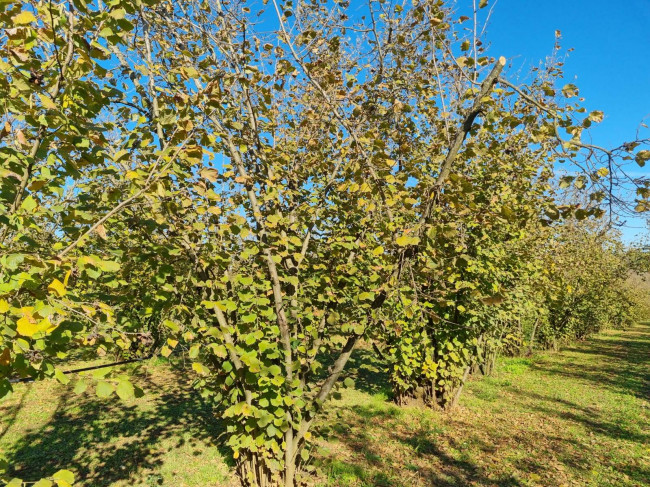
(258, 185)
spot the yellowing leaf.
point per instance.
(406, 239)
(46, 325)
(200, 368)
(5, 357)
(57, 288)
(20, 137)
(67, 276)
(101, 231)
(4, 306)
(25, 327)
(378, 250)
(596, 116)
(23, 18)
(209, 174)
(403, 240)
(36, 185)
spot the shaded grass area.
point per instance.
(167, 437)
(579, 417)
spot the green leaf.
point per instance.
(63, 478)
(304, 454)
(246, 281)
(106, 32)
(104, 389)
(80, 387)
(61, 377)
(29, 203)
(171, 325)
(272, 431)
(109, 266)
(47, 102)
(125, 390)
(13, 261)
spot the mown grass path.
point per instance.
(576, 418)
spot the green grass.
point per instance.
(575, 418)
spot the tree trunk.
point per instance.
(459, 390)
(532, 337)
(253, 471)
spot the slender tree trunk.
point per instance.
(290, 466)
(532, 337)
(459, 390)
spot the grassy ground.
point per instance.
(579, 417)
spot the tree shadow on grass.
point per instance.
(598, 425)
(13, 411)
(625, 368)
(602, 423)
(413, 452)
(417, 456)
(370, 372)
(365, 367)
(104, 440)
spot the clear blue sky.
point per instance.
(610, 62)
